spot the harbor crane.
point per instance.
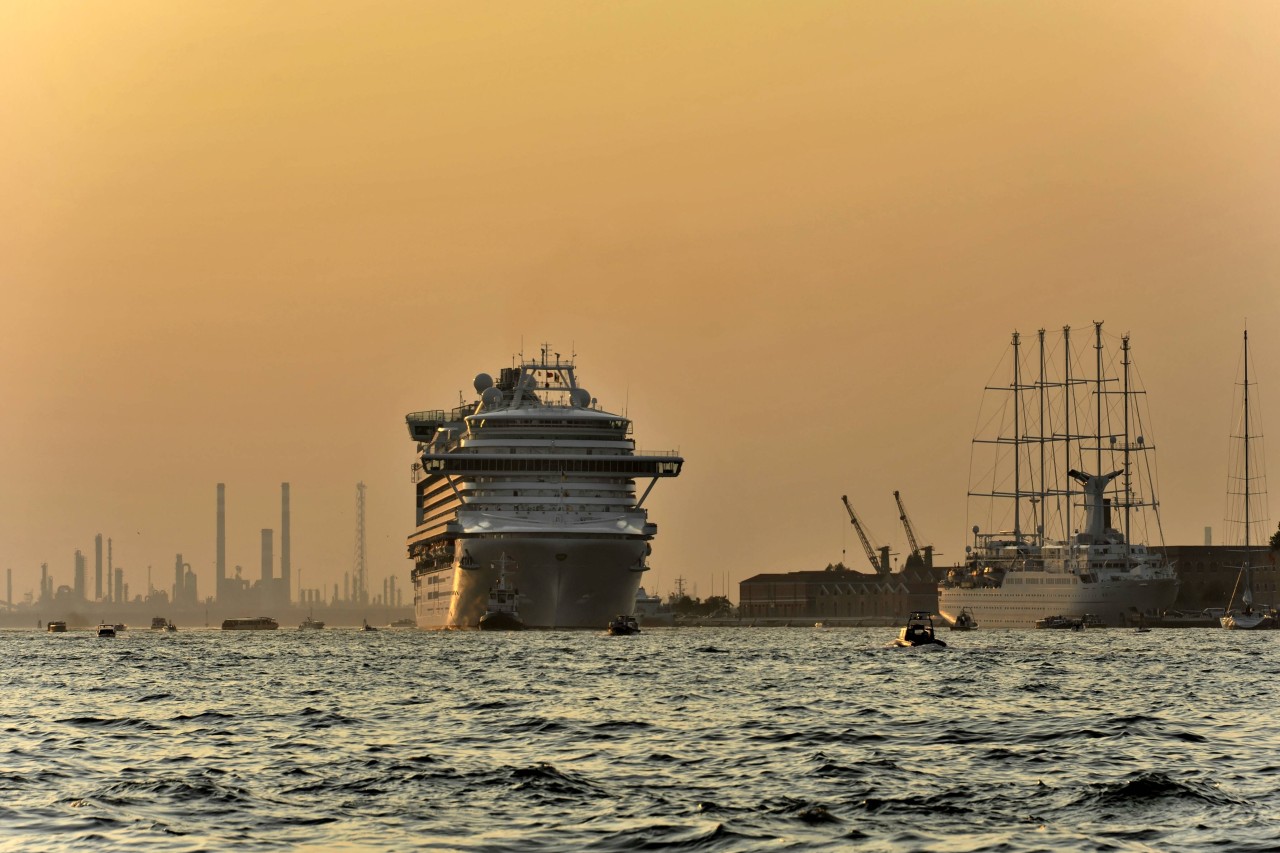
(880, 564)
(923, 559)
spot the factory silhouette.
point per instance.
(234, 594)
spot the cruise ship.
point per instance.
(533, 474)
(1065, 476)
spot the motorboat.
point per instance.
(918, 631)
(622, 625)
(310, 624)
(502, 612)
(365, 626)
(56, 627)
(106, 630)
(965, 621)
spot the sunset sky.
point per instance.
(239, 241)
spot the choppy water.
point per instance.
(685, 739)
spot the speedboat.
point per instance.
(918, 631)
(106, 630)
(965, 621)
(623, 624)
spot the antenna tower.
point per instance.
(361, 591)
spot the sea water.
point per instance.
(681, 739)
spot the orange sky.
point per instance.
(239, 241)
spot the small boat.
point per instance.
(365, 626)
(171, 627)
(965, 621)
(106, 630)
(56, 627)
(159, 623)
(251, 623)
(310, 624)
(623, 624)
(502, 613)
(918, 631)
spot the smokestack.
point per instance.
(120, 590)
(221, 573)
(285, 576)
(268, 556)
(178, 584)
(97, 567)
(9, 592)
(1208, 536)
(110, 572)
(79, 578)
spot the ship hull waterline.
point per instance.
(1116, 603)
(563, 581)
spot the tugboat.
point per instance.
(623, 624)
(918, 631)
(502, 613)
(965, 621)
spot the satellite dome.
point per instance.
(490, 396)
(483, 381)
(580, 397)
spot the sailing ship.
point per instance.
(1063, 473)
(536, 469)
(1252, 507)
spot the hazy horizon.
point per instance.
(241, 242)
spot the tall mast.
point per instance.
(1068, 396)
(1247, 517)
(1041, 489)
(1124, 346)
(1017, 444)
(1097, 333)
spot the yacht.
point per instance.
(1067, 495)
(536, 469)
(1246, 496)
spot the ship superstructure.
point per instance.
(1066, 473)
(534, 470)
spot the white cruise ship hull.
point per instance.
(1035, 595)
(562, 581)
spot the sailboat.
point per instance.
(1247, 470)
(1062, 472)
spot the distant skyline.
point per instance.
(238, 243)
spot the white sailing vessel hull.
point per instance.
(1020, 601)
